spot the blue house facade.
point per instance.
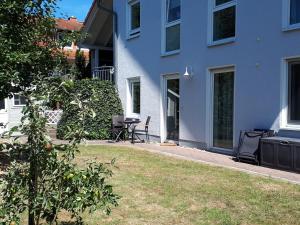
(204, 70)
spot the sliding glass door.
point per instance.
(223, 105)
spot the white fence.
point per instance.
(105, 73)
(53, 116)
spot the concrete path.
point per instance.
(210, 158)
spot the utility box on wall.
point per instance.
(281, 153)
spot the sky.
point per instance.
(77, 8)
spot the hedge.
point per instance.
(106, 105)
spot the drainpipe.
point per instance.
(115, 30)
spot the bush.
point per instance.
(106, 104)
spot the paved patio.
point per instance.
(208, 158)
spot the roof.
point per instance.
(71, 24)
(90, 11)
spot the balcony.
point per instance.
(104, 73)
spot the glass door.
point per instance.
(223, 105)
(173, 97)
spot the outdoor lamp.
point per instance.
(188, 72)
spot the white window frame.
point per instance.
(286, 14)
(135, 32)
(165, 25)
(129, 111)
(284, 92)
(19, 105)
(212, 8)
(163, 103)
(211, 71)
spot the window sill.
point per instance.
(291, 27)
(165, 54)
(291, 128)
(130, 37)
(221, 42)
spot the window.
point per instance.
(135, 96)
(291, 14)
(2, 104)
(19, 100)
(294, 92)
(294, 12)
(134, 18)
(290, 94)
(222, 21)
(171, 28)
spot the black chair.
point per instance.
(249, 144)
(3, 129)
(118, 128)
(137, 132)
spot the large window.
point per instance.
(134, 18)
(171, 29)
(223, 20)
(135, 96)
(19, 100)
(294, 92)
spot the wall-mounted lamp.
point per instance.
(188, 72)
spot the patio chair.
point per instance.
(118, 128)
(3, 129)
(137, 132)
(249, 142)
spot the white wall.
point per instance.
(256, 54)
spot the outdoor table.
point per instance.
(129, 122)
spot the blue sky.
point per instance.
(77, 8)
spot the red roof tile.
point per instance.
(71, 24)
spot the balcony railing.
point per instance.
(105, 73)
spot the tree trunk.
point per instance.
(32, 190)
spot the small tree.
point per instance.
(44, 180)
(80, 62)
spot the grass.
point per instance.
(156, 190)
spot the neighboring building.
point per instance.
(241, 61)
(66, 26)
(11, 108)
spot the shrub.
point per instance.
(106, 104)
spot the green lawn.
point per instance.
(158, 190)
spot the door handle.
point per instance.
(284, 143)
